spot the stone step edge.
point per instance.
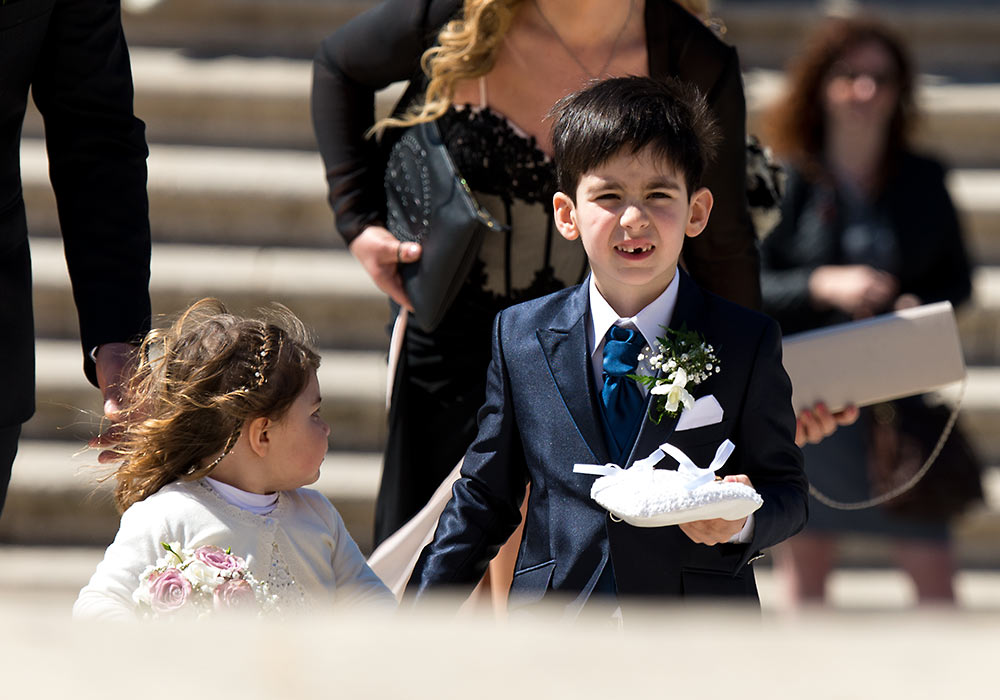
(54, 467)
(299, 271)
(278, 174)
(58, 466)
(349, 373)
(308, 272)
(166, 72)
(342, 373)
(60, 572)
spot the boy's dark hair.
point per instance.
(627, 115)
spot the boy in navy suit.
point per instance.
(630, 153)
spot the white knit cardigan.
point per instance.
(301, 548)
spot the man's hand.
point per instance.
(113, 363)
(716, 530)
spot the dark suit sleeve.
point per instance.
(723, 259)
(784, 279)
(484, 509)
(97, 160)
(770, 457)
(950, 277)
(373, 50)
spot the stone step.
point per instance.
(68, 407)
(953, 37)
(957, 38)
(264, 102)
(327, 289)
(333, 295)
(48, 578)
(236, 101)
(55, 497)
(248, 27)
(278, 197)
(353, 384)
(211, 194)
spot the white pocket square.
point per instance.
(706, 411)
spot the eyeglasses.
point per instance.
(842, 71)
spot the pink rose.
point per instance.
(218, 559)
(168, 591)
(235, 593)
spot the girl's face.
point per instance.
(862, 87)
(299, 441)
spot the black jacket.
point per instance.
(933, 263)
(73, 56)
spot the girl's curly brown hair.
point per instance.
(795, 126)
(194, 386)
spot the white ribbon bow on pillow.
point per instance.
(695, 475)
(647, 497)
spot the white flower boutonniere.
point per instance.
(686, 360)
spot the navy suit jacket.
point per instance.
(541, 417)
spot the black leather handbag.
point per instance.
(428, 201)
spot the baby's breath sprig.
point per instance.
(685, 359)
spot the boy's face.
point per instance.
(632, 214)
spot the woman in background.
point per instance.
(867, 227)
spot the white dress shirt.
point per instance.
(649, 322)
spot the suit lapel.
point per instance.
(687, 312)
(564, 345)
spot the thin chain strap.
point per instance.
(569, 51)
(912, 481)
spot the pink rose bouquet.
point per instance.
(200, 581)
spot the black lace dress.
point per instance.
(440, 379)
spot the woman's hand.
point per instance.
(857, 290)
(812, 426)
(380, 253)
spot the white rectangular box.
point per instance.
(877, 359)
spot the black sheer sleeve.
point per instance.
(373, 50)
(724, 258)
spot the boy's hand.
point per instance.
(811, 427)
(716, 530)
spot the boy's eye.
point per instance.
(660, 195)
(607, 196)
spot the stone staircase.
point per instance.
(238, 211)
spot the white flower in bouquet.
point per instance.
(675, 392)
(200, 582)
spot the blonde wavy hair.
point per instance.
(196, 383)
(466, 49)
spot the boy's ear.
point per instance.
(565, 216)
(257, 436)
(699, 209)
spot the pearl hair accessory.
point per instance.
(259, 380)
